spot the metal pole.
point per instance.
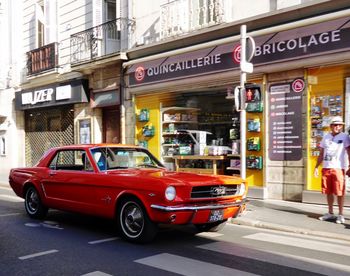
(243, 119)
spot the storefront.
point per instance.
(301, 70)
(49, 116)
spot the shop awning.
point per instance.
(298, 43)
(106, 98)
(55, 94)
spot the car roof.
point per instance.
(89, 146)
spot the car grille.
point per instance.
(214, 191)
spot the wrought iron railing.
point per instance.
(183, 16)
(99, 41)
(42, 59)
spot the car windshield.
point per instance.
(111, 158)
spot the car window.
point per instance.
(123, 158)
(99, 156)
(76, 160)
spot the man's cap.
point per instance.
(337, 120)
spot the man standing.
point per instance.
(334, 146)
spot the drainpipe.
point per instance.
(122, 105)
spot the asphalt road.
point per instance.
(73, 244)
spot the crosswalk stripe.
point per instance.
(11, 198)
(302, 243)
(279, 258)
(209, 235)
(96, 273)
(188, 267)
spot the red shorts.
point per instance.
(333, 181)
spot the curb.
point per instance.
(289, 229)
(3, 184)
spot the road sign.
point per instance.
(250, 51)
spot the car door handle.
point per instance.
(52, 173)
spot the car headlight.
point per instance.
(242, 189)
(170, 193)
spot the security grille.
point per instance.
(45, 129)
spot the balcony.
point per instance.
(183, 16)
(42, 59)
(99, 41)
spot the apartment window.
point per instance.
(111, 14)
(111, 10)
(2, 146)
(46, 22)
(40, 24)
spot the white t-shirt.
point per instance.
(334, 150)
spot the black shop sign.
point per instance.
(285, 124)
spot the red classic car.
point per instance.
(129, 184)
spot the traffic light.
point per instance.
(252, 92)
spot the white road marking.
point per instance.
(51, 224)
(302, 243)
(104, 240)
(96, 273)
(209, 234)
(5, 188)
(10, 214)
(11, 198)
(299, 235)
(187, 266)
(38, 254)
(279, 258)
(31, 224)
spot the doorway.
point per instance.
(111, 124)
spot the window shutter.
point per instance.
(97, 12)
(50, 12)
(97, 16)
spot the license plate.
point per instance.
(216, 215)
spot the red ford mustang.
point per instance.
(129, 184)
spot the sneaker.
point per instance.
(327, 216)
(340, 219)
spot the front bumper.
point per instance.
(195, 213)
(198, 207)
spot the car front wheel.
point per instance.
(33, 205)
(133, 222)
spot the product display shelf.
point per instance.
(236, 157)
(212, 159)
(173, 120)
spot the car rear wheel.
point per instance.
(133, 222)
(211, 227)
(33, 205)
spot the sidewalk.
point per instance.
(295, 217)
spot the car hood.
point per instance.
(177, 178)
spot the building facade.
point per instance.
(162, 74)
(69, 75)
